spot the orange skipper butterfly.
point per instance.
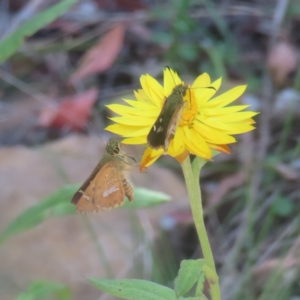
(108, 185)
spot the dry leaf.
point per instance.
(286, 171)
(99, 58)
(290, 263)
(282, 62)
(73, 112)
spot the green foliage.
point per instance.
(190, 41)
(41, 289)
(10, 44)
(188, 275)
(202, 297)
(146, 198)
(134, 289)
(282, 207)
(55, 204)
(58, 204)
(200, 286)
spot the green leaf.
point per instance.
(201, 297)
(42, 289)
(134, 289)
(210, 275)
(200, 285)
(10, 44)
(188, 275)
(58, 204)
(145, 198)
(187, 52)
(282, 207)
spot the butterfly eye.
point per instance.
(116, 150)
(112, 147)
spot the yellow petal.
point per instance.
(217, 83)
(214, 122)
(197, 145)
(181, 157)
(141, 132)
(204, 94)
(134, 121)
(143, 105)
(187, 133)
(128, 131)
(124, 110)
(171, 79)
(227, 97)
(223, 110)
(156, 90)
(201, 81)
(221, 148)
(213, 135)
(135, 140)
(236, 117)
(153, 89)
(177, 145)
(141, 96)
(238, 128)
(249, 121)
(149, 157)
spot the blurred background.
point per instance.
(73, 60)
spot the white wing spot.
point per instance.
(160, 120)
(109, 191)
(154, 128)
(84, 195)
(160, 129)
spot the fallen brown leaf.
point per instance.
(73, 112)
(282, 62)
(286, 172)
(100, 57)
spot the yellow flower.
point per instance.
(205, 123)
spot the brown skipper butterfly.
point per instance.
(107, 186)
(163, 130)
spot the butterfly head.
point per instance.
(181, 89)
(113, 147)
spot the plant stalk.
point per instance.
(194, 193)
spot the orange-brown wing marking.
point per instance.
(104, 191)
(172, 126)
(128, 188)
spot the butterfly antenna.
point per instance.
(94, 129)
(171, 72)
(132, 158)
(128, 155)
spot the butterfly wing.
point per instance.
(77, 196)
(166, 123)
(102, 192)
(172, 127)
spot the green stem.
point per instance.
(191, 179)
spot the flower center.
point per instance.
(190, 110)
